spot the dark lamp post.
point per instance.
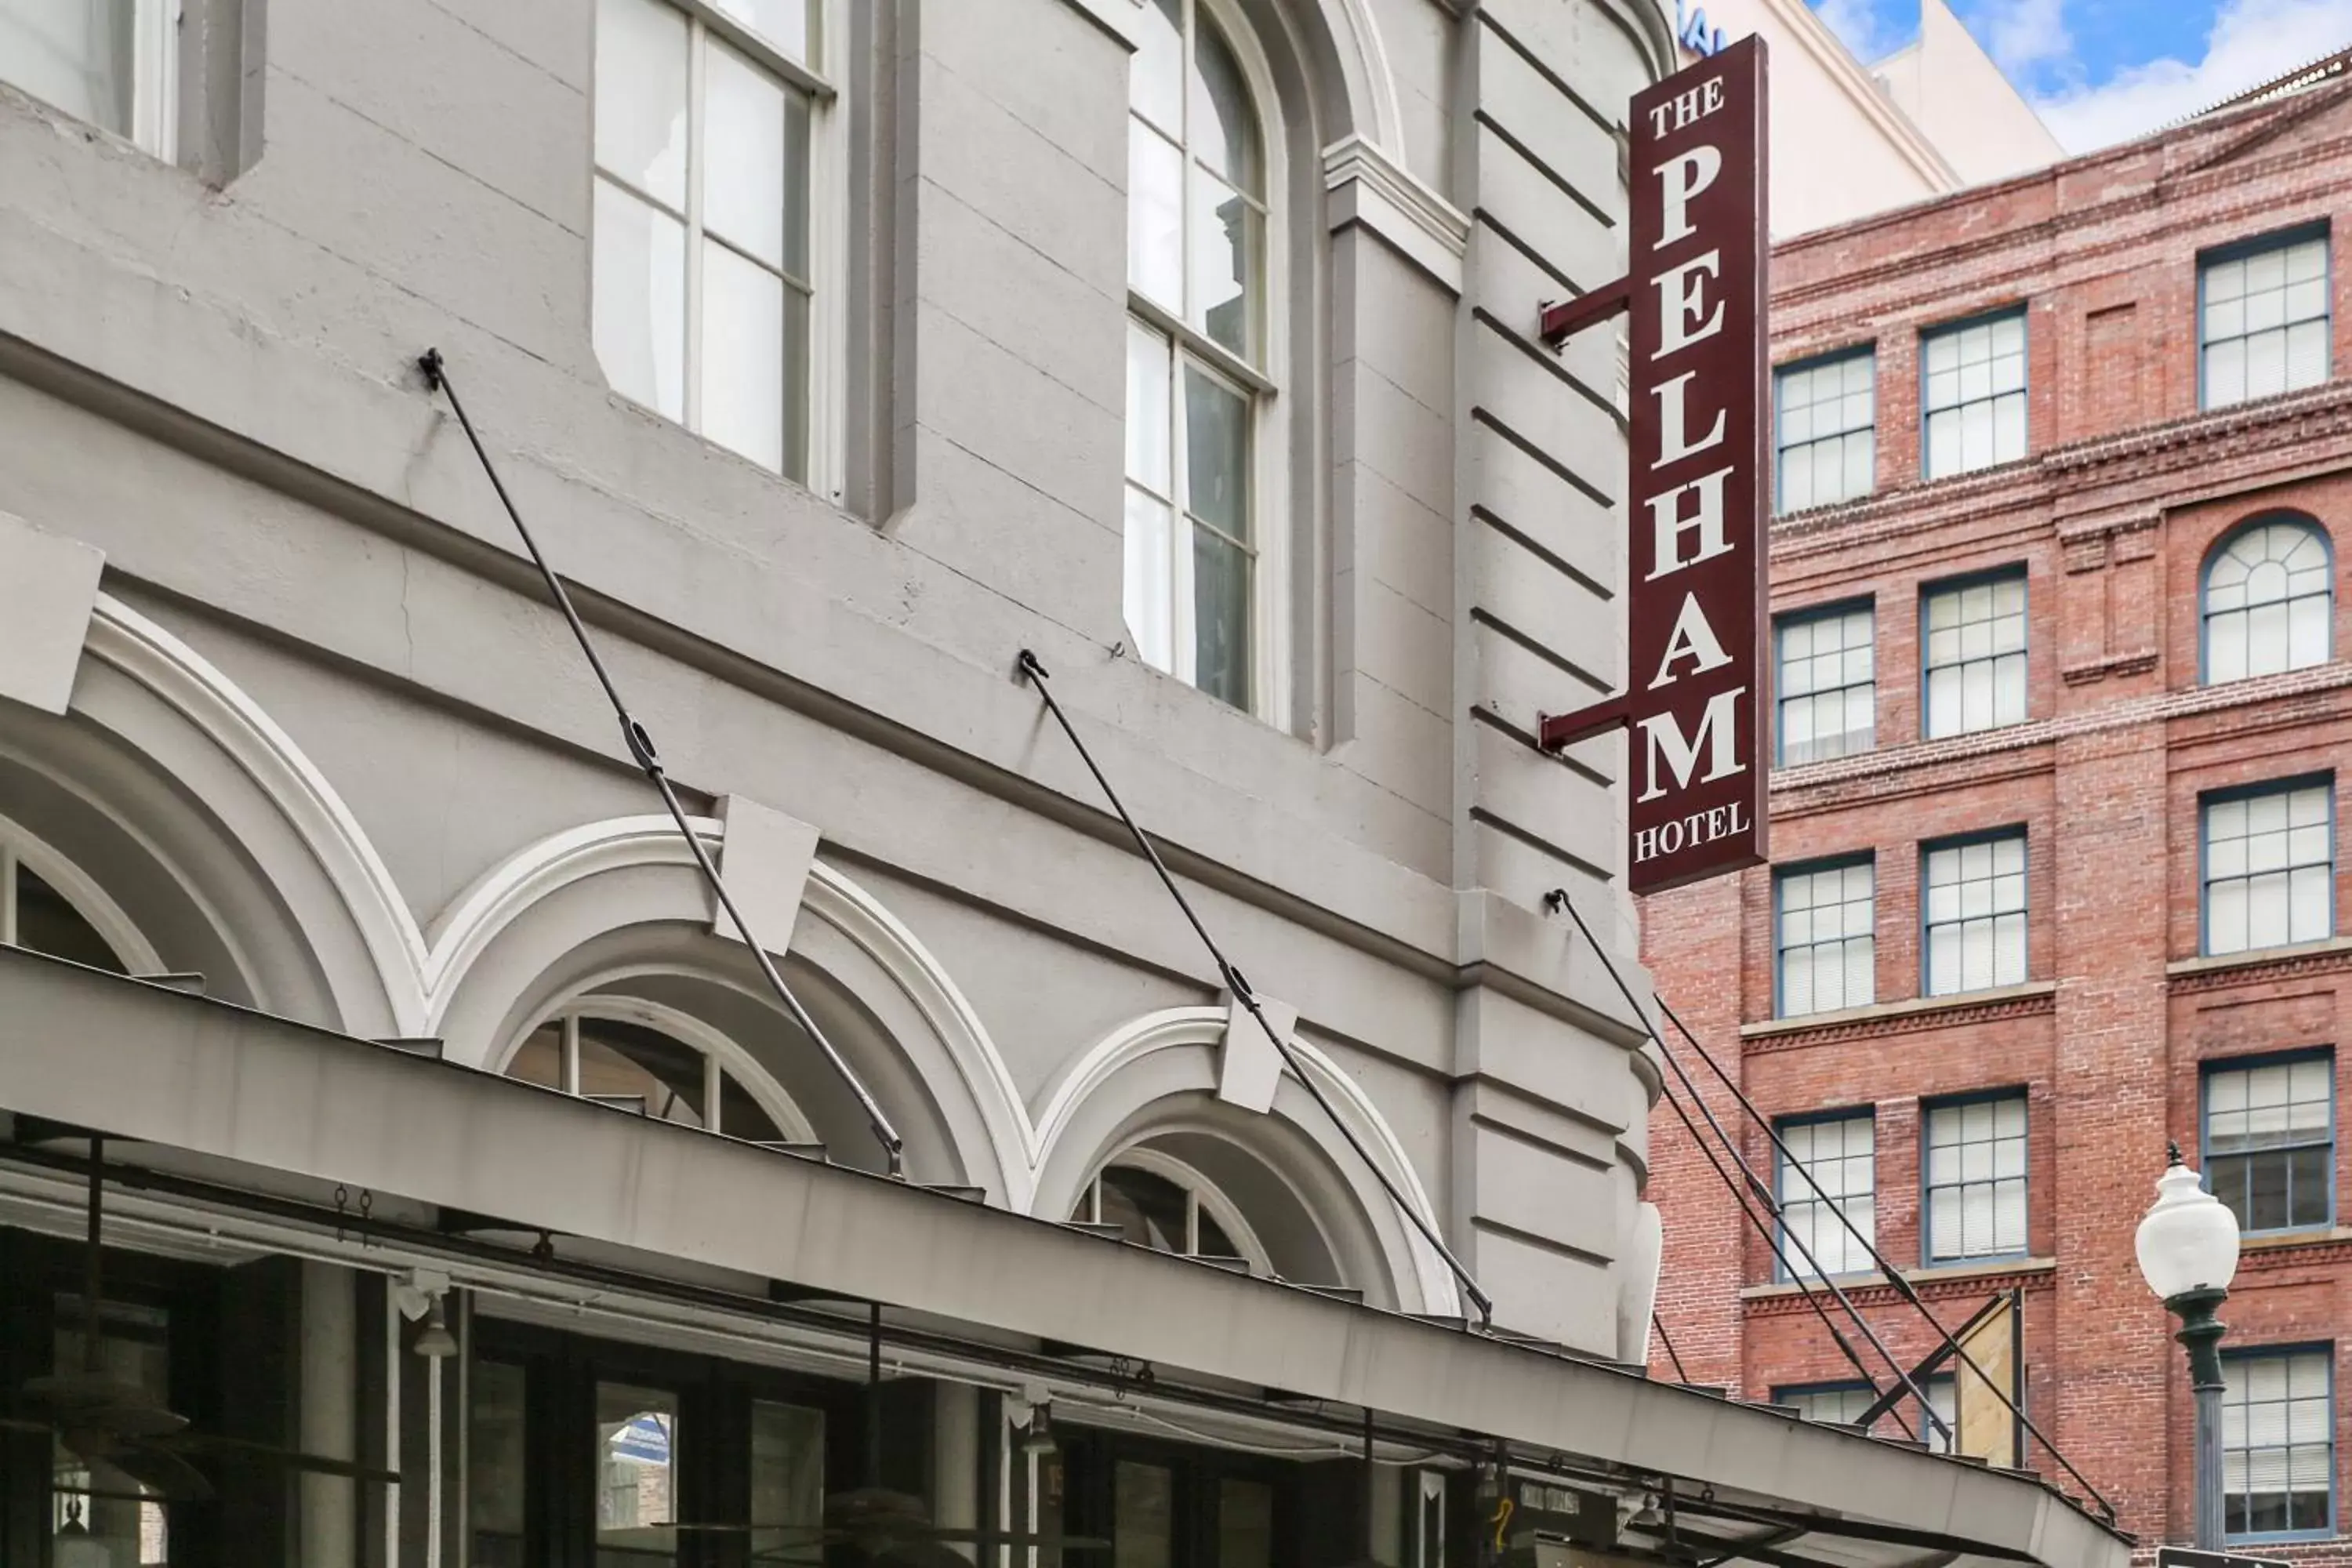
(2187, 1246)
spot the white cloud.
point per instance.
(1856, 22)
(2020, 35)
(2251, 42)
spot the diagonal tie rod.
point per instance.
(1240, 988)
(640, 742)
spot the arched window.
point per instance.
(2269, 600)
(1161, 1203)
(46, 914)
(660, 1062)
(1201, 373)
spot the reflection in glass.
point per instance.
(640, 300)
(125, 1519)
(641, 97)
(744, 193)
(1144, 1508)
(1244, 1524)
(1155, 216)
(786, 24)
(744, 355)
(1155, 83)
(787, 1474)
(637, 1476)
(641, 1070)
(47, 921)
(1223, 132)
(74, 55)
(1224, 258)
(496, 1465)
(740, 1116)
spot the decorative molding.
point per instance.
(2269, 1254)
(1910, 1017)
(80, 890)
(1947, 1282)
(48, 589)
(2190, 976)
(1369, 186)
(1116, 17)
(2118, 665)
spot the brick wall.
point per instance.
(2126, 490)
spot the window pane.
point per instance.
(1220, 618)
(787, 1475)
(2269, 869)
(1143, 1516)
(641, 1070)
(1148, 433)
(1225, 264)
(1217, 456)
(641, 97)
(1224, 125)
(747, 345)
(74, 55)
(640, 300)
(636, 1435)
(1244, 1524)
(121, 1514)
(1149, 587)
(47, 921)
(1156, 78)
(740, 1116)
(1974, 659)
(747, 181)
(496, 1467)
(783, 23)
(540, 1058)
(1155, 216)
(1829, 1170)
(1146, 1206)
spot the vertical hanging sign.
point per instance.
(1696, 504)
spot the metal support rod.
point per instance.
(1239, 986)
(1772, 1234)
(1558, 898)
(1894, 1276)
(93, 1348)
(1668, 1340)
(640, 742)
(2200, 1335)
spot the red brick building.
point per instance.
(2064, 664)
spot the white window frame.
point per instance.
(2011, 921)
(718, 1051)
(1783, 699)
(1793, 1194)
(821, 77)
(1944, 1125)
(1202, 1196)
(1270, 401)
(2000, 659)
(2281, 245)
(20, 845)
(2206, 879)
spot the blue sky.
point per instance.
(2101, 71)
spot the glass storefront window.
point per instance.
(100, 1516)
(496, 1467)
(1244, 1524)
(1144, 1511)
(787, 1476)
(637, 1476)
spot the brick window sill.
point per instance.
(1938, 1274)
(2276, 1241)
(1899, 1017)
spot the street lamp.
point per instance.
(2187, 1246)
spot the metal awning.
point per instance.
(147, 1062)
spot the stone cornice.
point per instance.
(1909, 1016)
(1369, 187)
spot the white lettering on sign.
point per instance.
(1667, 524)
(1682, 294)
(1688, 107)
(1693, 639)
(1683, 178)
(1676, 444)
(1718, 731)
(1676, 834)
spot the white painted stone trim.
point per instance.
(1369, 187)
(48, 589)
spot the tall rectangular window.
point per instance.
(1974, 394)
(1826, 944)
(2278, 1442)
(1974, 634)
(2270, 866)
(2261, 320)
(2270, 1140)
(703, 281)
(1826, 445)
(112, 63)
(1826, 688)
(1840, 1154)
(1976, 1179)
(1972, 901)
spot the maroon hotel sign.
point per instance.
(1696, 503)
